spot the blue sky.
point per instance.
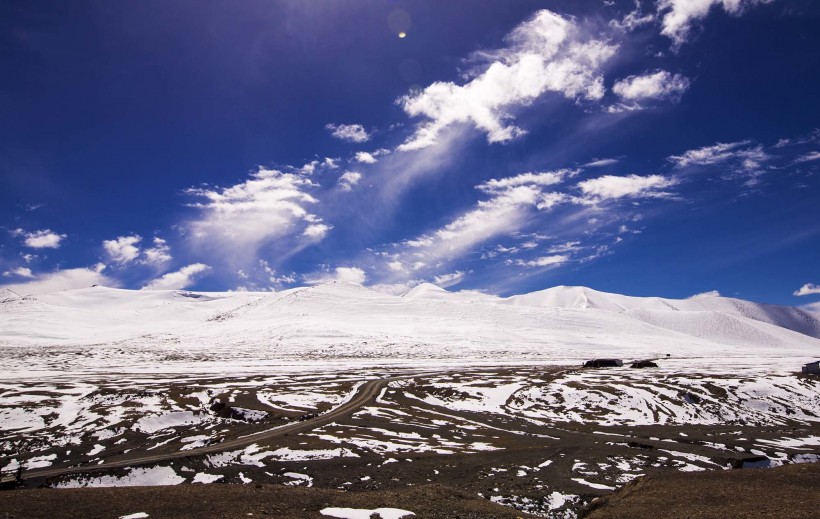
(649, 148)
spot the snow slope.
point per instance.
(349, 321)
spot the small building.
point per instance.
(604, 363)
(812, 368)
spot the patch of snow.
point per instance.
(203, 477)
(361, 513)
(136, 477)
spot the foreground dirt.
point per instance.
(789, 492)
(231, 501)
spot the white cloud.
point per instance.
(317, 231)
(599, 163)
(43, 239)
(680, 15)
(349, 179)
(159, 254)
(710, 293)
(125, 249)
(237, 221)
(570, 246)
(807, 289)
(503, 214)
(370, 157)
(633, 19)
(547, 178)
(20, 272)
(612, 187)
(365, 157)
(122, 249)
(657, 85)
(182, 278)
(545, 261)
(813, 308)
(547, 53)
(396, 289)
(448, 280)
(348, 132)
(344, 274)
(745, 160)
(707, 155)
(67, 279)
(813, 155)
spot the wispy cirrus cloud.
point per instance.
(745, 159)
(271, 207)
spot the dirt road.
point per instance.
(364, 394)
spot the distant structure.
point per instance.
(812, 368)
(604, 363)
(644, 364)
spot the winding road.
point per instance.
(364, 394)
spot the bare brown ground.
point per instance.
(233, 501)
(789, 492)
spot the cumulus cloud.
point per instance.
(20, 272)
(659, 85)
(344, 274)
(348, 132)
(710, 293)
(807, 289)
(612, 187)
(349, 179)
(317, 231)
(122, 249)
(270, 206)
(548, 53)
(182, 278)
(365, 157)
(678, 16)
(67, 279)
(42, 239)
(159, 254)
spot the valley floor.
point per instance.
(474, 440)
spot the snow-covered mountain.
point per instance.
(344, 320)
